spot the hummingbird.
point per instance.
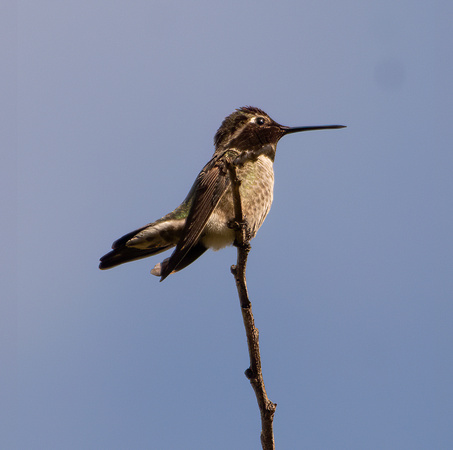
(246, 138)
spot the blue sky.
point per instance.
(108, 113)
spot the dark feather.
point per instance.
(127, 237)
(126, 254)
(211, 184)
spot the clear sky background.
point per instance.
(108, 110)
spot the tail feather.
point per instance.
(146, 241)
(126, 254)
(127, 237)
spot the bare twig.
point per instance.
(253, 373)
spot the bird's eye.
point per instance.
(260, 120)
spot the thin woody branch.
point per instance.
(253, 373)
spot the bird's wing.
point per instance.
(209, 187)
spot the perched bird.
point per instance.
(247, 138)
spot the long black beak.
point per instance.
(289, 130)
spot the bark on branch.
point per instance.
(253, 373)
